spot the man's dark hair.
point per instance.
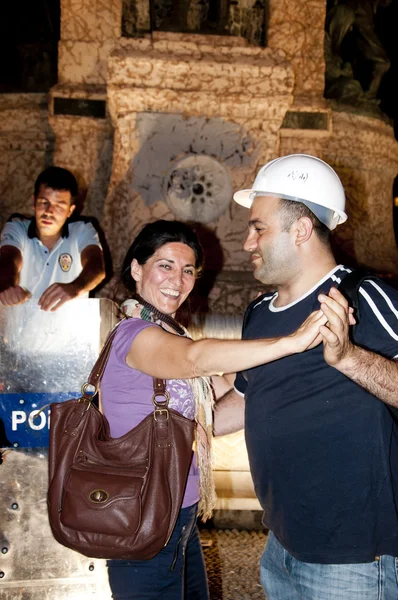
(59, 179)
(152, 237)
(290, 211)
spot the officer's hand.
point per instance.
(56, 295)
(14, 295)
(335, 334)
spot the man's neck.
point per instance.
(305, 280)
(49, 241)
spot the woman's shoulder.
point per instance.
(127, 330)
(131, 325)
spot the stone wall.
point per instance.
(297, 28)
(88, 33)
(364, 153)
(176, 97)
(26, 147)
(83, 143)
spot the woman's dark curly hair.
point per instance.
(152, 237)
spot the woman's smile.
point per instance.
(167, 278)
(169, 292)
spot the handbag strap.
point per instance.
(99, 367)
(159, 385)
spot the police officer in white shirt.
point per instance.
(48, 257)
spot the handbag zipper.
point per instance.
(84, 457)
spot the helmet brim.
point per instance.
(244, 197)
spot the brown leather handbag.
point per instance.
(116, 497)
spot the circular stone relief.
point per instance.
(198, 188)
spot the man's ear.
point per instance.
(303, 230)
(135, 270)
(71, 209)
(33, 201)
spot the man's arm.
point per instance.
(376, 374)
(10, 266)
(229, 413)
(92, 274)
(222, 384)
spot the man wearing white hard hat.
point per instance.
(322, 444)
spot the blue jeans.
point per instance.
(285, 578)
(177, 573)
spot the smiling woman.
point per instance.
(159, 273)
(167, 278)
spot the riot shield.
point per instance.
(44, 357)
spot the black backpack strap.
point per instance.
(349, 287)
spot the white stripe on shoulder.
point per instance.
(238, 392)
(336, 278)
(376, 311)
(264, 299)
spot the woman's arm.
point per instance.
(158, 353)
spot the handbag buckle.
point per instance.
(161, 407)
(88, 397)
(84, 399)
(160, 411)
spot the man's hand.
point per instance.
(56, 295)
(375, 373)
(14, 295)
(337, 346)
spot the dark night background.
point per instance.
(386, 25)
(29, 33)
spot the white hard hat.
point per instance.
(301, 178)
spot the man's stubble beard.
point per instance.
(277, 266)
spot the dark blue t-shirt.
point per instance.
(321, 448)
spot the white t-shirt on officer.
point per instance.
(42, 267)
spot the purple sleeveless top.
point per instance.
(126, 395)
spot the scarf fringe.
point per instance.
(204, 399)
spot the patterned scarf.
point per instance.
(204, 399)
